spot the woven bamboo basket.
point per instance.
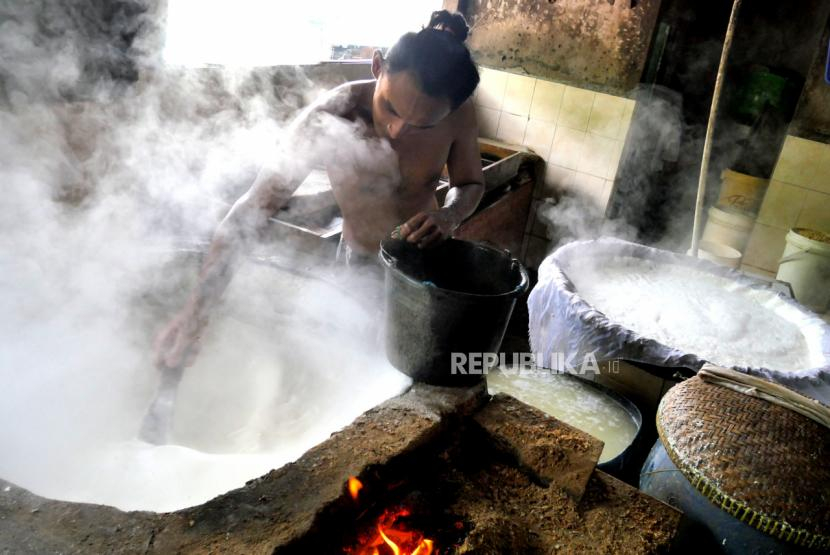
(761, 463)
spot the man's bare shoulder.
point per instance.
(344, 99)
(463, 119)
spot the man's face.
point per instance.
(399, 106)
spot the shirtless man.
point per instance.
(386, 141)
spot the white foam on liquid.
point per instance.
(717, 319)
(259, 396)
(573, 402)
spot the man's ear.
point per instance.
(377, 64)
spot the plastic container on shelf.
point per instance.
(728, 227)
(719, 254)
(741, 192)
(805, 265)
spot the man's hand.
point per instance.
(178, 342)
(429, 228)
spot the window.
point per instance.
(267, 32)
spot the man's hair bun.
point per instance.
(451, 22)
(438, 58)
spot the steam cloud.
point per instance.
(103, 181)
(657, 178)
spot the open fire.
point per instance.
(496, 477)
(392, 534)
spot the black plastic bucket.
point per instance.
(446, 306)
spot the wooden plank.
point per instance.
(555, 453)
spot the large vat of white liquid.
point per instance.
(283, 364)
(621, 300)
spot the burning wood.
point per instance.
(440, 474)
(392, 533)
(355, 486)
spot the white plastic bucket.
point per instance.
(727, 228)
(742, 192)
(718, 253)
(805, 265)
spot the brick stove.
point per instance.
(470, 473)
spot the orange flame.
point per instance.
(390, 537)
(426, 545)
(355, 486)
(395, 549)
(396, 540)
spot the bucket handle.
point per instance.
(520, 289)
(385, 258)
(827, 64)
(824, 271)
(791, 257)
(525, 281)
(514, 263)
(798, 255)
(393, 264)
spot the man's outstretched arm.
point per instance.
(244, 224)
(177, 343)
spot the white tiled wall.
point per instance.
(798, 196)
(579, 133)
